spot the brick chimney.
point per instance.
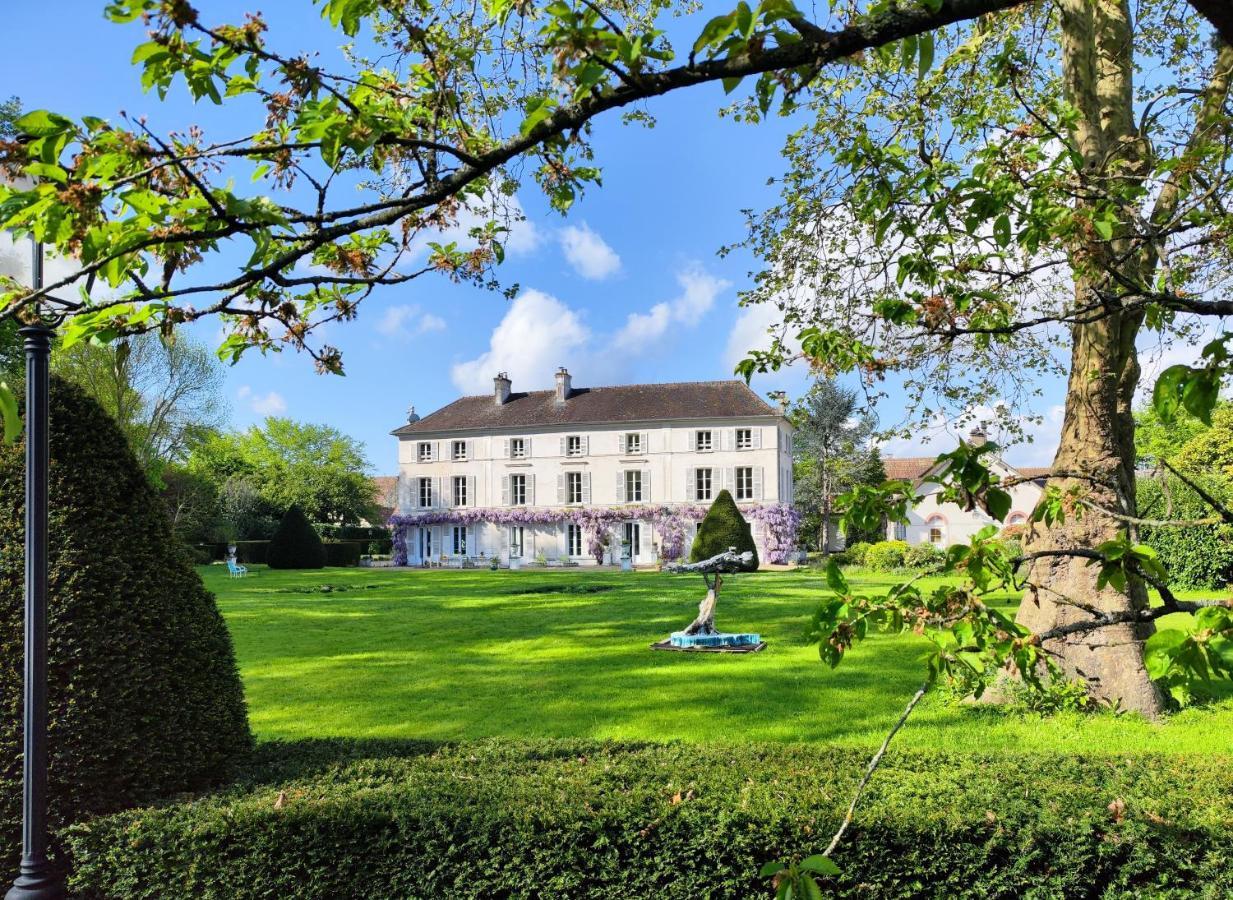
(977, 436)
(500, 388)
(563, 385)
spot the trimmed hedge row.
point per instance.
(342, 553)
(568, 819)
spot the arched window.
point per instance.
(937, 530)
(1017, 518)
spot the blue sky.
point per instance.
(628, 288)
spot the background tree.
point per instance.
(164, 394)
(286, 463)
(12, 359)
(833, 452)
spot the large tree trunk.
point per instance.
(705, 622)
(1097, 440)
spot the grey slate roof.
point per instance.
(595, 406)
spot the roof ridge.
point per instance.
(606, 387)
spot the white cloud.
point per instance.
(1027, 439)
(520, 238)
(699, 289)
(270, 404)
(588, 253)
(537, 334)
(408, 321)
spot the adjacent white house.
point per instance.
(544, 474)
(933, 522)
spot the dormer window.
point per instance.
(459, 451)
(702, 441)
(423, 451)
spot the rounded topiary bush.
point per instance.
(145, 699)
(295, 544)
(926, 558)
(722, 528)
(855, 554)
(886, 556)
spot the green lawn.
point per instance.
(460, 655)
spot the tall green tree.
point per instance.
(833, 452)
(287, 463)
(165, 394)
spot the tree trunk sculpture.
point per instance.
(718, 566)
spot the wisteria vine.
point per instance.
(779, 523)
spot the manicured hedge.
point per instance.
(1196, 556)
(295, 545)
(886, 556)
(619, 822)
(145, 699)
(342, 553)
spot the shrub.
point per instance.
(342, 553)
(579, 819)
(295, 545)
(144, 695)
(723, 527)
(1197, 556)
(857, 553)
(925, 558)
(886, 556)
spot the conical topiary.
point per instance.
(144, 696)
(722, 528)
(296, 544)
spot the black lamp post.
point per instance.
(39, 879)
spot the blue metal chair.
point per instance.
(235, 570)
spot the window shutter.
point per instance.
(470, 449)
(757, 485)
(436, 451)
(526, 447)
(756, 436)
(727, 439)
(561, 489)
(505, 451)
(691, 485)
(563, 440)
(586, 445)
(646, 486)
(620, 487)
(530, 490)
(645, 440)
(586, 487)
(472, 500)
(730, 480)
(505, 498)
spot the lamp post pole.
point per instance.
(39, 879)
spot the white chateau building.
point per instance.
(931, 521)
(529, 475)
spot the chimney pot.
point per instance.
(977, 437)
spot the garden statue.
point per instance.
(701, 633)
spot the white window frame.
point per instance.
(743, 491)
(458, 540)
(573, 540)
(517, 541)
(460, 497)
(458, 451)
(573, 446)
(703, 476)
(699, 445)
(517, 448)
(423, 451)
(633, 486)
(425, 490)
(518, 490)
(936, 525)
(744, 439)
(633, 443)
(571, 479)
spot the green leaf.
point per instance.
(810, 888)
(1001, 230)
(835, 579)
(1166, 394)
(998, 502)
(925, 46)
(8, 413)
(820, 864)
(42, 123)
(771, 868)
